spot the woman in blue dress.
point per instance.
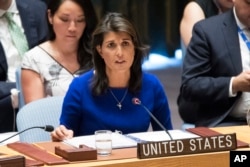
(103, 98)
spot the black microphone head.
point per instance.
(48, 128)
(136, 101)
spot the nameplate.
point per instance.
(187, 146)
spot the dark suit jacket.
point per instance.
(212, 58)
(34, 20)
(33, 17)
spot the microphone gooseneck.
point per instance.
(47, 128)
(137, 101)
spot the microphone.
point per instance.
(137, 101)
(47, 128)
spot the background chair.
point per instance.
(41, 112)
(21, 102)
(185, 126)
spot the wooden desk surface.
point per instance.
(242, 132)
(117, 159)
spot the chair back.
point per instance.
(185, 126)
(21, 102)
(41, 112)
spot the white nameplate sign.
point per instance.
(187, 146)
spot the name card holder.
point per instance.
(77, 154)
(197, 145)
(15, 160)
(37, 153)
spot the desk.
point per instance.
(220, 159)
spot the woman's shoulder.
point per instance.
(36, 50)
(83, 80)
(37, 57)
(86, 76)
(150, 78)
(34, 54)
(151, 83)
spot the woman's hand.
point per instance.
(61, 133)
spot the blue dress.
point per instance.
(85, 113)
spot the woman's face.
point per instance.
(118, 51)
(68, 22)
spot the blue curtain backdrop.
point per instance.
(157, 21)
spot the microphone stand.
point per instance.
(156, 120)
(46, 128)
(137, 101)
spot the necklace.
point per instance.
(119, 103)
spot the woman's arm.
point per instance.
(32, 85)
(192, 14)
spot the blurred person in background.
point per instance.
(198, 10)
(215, 82)
(49, 68)
(22, 26)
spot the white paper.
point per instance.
(131, 140)
(6, 135)
(162, 135)
(118, 141)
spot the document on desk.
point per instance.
(4, 136)
(131, 140)
(118, 141)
